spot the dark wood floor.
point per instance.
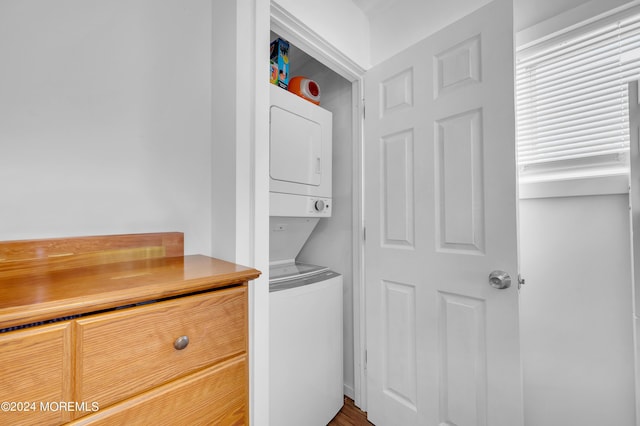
(350, 415)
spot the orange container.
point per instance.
(305, 88)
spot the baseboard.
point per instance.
(348, 391)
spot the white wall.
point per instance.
(224, 121)
(105, 118)
(576, 311)
(330, 244)
(576, 308)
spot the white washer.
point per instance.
(305, 354)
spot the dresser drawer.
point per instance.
(123, 353)
(216, 396)
(35, 370)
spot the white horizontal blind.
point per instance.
(571, 97)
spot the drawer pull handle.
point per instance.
(181, 342)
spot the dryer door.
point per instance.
(296, 148)
(300, 146)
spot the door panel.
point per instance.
(440, 210)
(397, 168)
(400, 378)
(462, 360)
(459, 188)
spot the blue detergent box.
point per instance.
(280, 62)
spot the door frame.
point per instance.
(634, 172)
(296, 32)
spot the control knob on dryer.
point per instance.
(318, 205)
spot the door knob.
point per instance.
(499, 280)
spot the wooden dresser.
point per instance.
(120, 330)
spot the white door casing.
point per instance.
(634, 213)
(441, 215)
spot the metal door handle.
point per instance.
(499, 280)
(181, 342)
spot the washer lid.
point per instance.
(287, 271)
(320, 277)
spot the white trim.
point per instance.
(575, 187)
(292, 29)
(585, 14)
(359, 319)
(241, 135)
(581, 26)
(634, 173)
(636, 358)
(256, 100)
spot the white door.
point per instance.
(440, 215)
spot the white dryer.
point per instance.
(299, 156)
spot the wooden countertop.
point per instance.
(36, 294)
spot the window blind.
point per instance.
(571, 97)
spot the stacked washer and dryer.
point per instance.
(306, 370)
